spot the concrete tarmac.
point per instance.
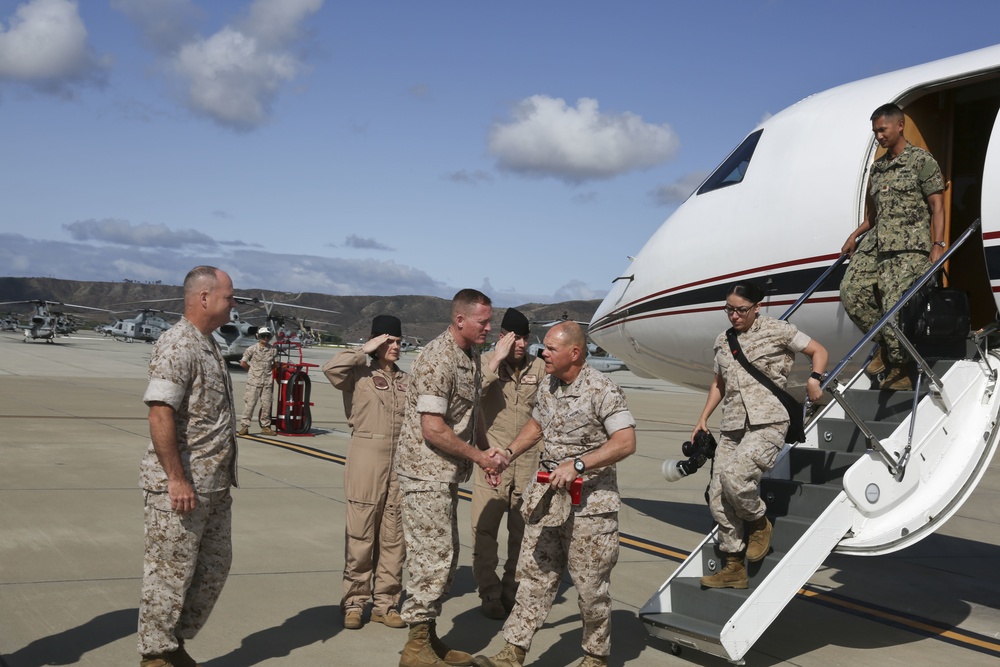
(73, 429)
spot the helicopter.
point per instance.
(597, 357)
(47, 321)
(301, 333)
(9, 322)
(145, 326)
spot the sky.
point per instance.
(525, 149)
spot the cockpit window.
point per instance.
(734, 168)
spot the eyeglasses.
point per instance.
(739, 310)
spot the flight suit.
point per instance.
(446, 381)
(374, 402)
(187, 556)
(754, 423)
(575, 419)
(260, 386)
(508, 400)
(895, 252)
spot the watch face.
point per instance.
(578, 465)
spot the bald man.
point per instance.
(186, 474)
(587, 428)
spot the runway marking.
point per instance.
(810, 593)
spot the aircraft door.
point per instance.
(990, 209)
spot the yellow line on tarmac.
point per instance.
(924, 627)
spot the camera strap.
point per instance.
(796, 426)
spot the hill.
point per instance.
(423, 317)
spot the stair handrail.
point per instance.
(815, 286)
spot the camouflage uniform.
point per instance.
(446, 381)
(260, 387)
(575, 419)
(187, 556)
(754, 423)
(895, 252)
(508, 400)
(374, 402)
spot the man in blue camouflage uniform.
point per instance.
(904, 211)
(186, 474)
(258, 361)
(443, 436)
(587, 428)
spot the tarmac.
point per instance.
(73, 429)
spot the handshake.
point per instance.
(497, 461)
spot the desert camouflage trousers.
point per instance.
(254, 394)
(741, 459)
(185, 566)
(430, 529)
(488, 508)
(588, 547)
(873, 283)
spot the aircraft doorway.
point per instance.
(955, 123)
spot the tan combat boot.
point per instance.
(877, 364)
(244, 430)
(732, 575)
(266, 431)
(448, 655)
(509, 656)
(759, 541)
(593, 661)
(898, 379)
(418, 651)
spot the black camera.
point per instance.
(701, 449)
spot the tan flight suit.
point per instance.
(374, 402)
(508, 399)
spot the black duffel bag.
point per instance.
(936, 321)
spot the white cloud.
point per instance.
(45, 45)
(234, 75)
(546, 137)
(142, 235)
(275, 23)
(577, 290)
(249, 267)
(165, 24)
(231, 79)
(679, 190)
(355, 241)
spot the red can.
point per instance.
(574, 489)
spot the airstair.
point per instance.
(878, 472)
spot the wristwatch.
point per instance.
(816, 376)
(579, 466)
(940, 243)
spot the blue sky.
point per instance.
(521, 148)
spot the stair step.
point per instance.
(844, 436)
(820, 466)
(712, 606)
(881, 406)
(786, 498)
(688, 625)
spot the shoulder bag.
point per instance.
(796, 425)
